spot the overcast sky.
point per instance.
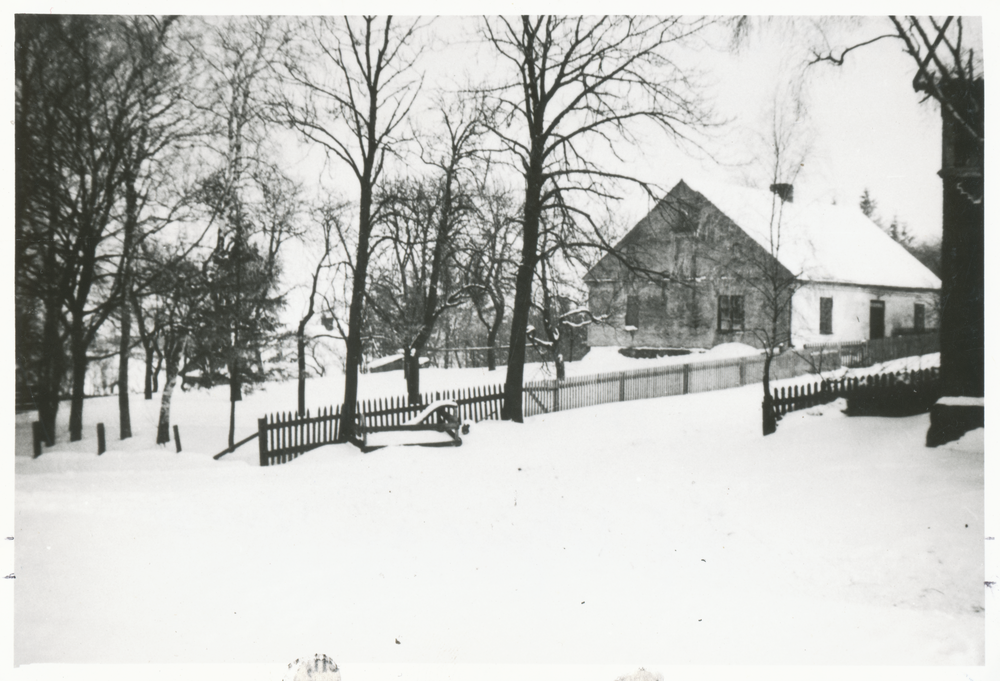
(864, 125)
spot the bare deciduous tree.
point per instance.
(759, 269)
(578, 83)
(423, 221)
(97, 99)
(357, 86)
(326, 240)
(487, 253)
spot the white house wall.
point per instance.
(851, 305)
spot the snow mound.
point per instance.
(607, 359)
(913, 363)
(733, 350)
(835, 408)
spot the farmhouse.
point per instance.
(722, 264)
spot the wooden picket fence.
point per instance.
(542, 397)
(892, 385)
(283, 437)
(866, 353)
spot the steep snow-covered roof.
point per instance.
(818, 241)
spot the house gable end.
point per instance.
(676, 213)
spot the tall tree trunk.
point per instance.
(235, 395)
(163, 427)
(124, 415)
(124, 347)
(493, 333)
(513, 409)
(53, 371)
(79, 374)
(156, 373)
(491, 348)
(232, 425)
(352, 361)
(300, 338)
(147, 383)
(769, 422)
(411, 370)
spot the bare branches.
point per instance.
(945, 60)
(354, 82)
(576, 84)
(839, 59)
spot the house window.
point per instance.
(876, 319)
(632, 311)
(918, 317)
(730, 313)
(826, 315)
(685, 223)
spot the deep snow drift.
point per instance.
(663, 531)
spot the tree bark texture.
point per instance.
(300, 341)
(513, 409)
(352, 362)
(163, 427)
(147, 382)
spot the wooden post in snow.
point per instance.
(36, 439)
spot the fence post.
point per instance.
(36, 439)
(177, 438)
(743, 372)
(621, 387)
(555, 396)
(262, 440)
(687, 374)
(100, 439)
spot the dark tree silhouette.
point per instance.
(577, 82)
(357, 82)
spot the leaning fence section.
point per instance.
(282, 437)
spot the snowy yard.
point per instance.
(663, 530)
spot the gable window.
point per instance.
(632, 311)
(730, 313)
(685, 223)
(826, 316)
(918, 317)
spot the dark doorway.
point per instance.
(876, 320)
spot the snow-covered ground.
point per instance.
(202, 416)
(658, 532)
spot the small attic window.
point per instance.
(686, 222)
